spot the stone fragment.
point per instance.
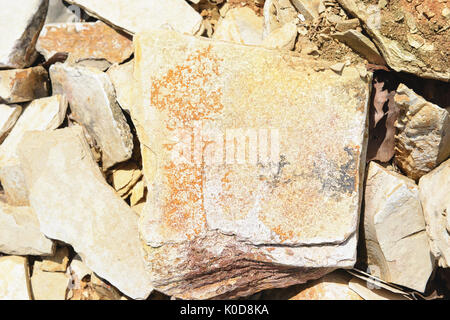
(138, 15)
(391, 37)
(282, 38)
(93, 104)
(333, 286)
(85, 285)
(14, 278)
(48, 285)
(20, 23)
(422, 141)
(56, 263)
(369, 291)
(8, 117)
(308, 8)
(276, 14)
(42, 114)
(338, 67)
(240, 25)
(361, 44)
(76, 205)
(137, 194)
(122, 78)
(125, 176)
(23, 85)
(58, 12)
(395, 238)
(267, 213)
(434, 195)
(20, 232)
(84, 41)
(345, 25)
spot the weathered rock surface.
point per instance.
(14, 278)
(42, 114)
(124, 177)
(56, 263)
(20, 232)
(58, 12)
(74, 204)
(278, 216)
(84, 41)
(20, 22)
(48, 285)
(361, 44)
(276, 14)
(93, 104)
(408, 39)
(8, 117)
(434, 193)
(122, 79)
(422, 141)
(282, 38)
(333, 286)
(138, 15)
(395, 238)
(240, 25)
(23, 85)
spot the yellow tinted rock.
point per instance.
(289, 197)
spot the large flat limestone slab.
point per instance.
(253, 162)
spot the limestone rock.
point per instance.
(276, 14)
(138, 15)
(395, 238)
(125, 177)
(23, 85)
(42, 114)
(93, 103)
(422, 141)
(240, 25)
(58, 12)
(84, 41)
(267, 213)
(20, 24)
(48, 285)
(8, 117)
(361, 44)
(138, 193)
(333, 286)
(122, 78)
(14, 278)
(282, 38)
(56, 263)
(20, 232)
(308, 8)
(75, 205)
(426, 57)
(434, 192)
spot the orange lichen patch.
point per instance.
(187, 93)
(85, 41)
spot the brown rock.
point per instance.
(84, 41)
(23, 85)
